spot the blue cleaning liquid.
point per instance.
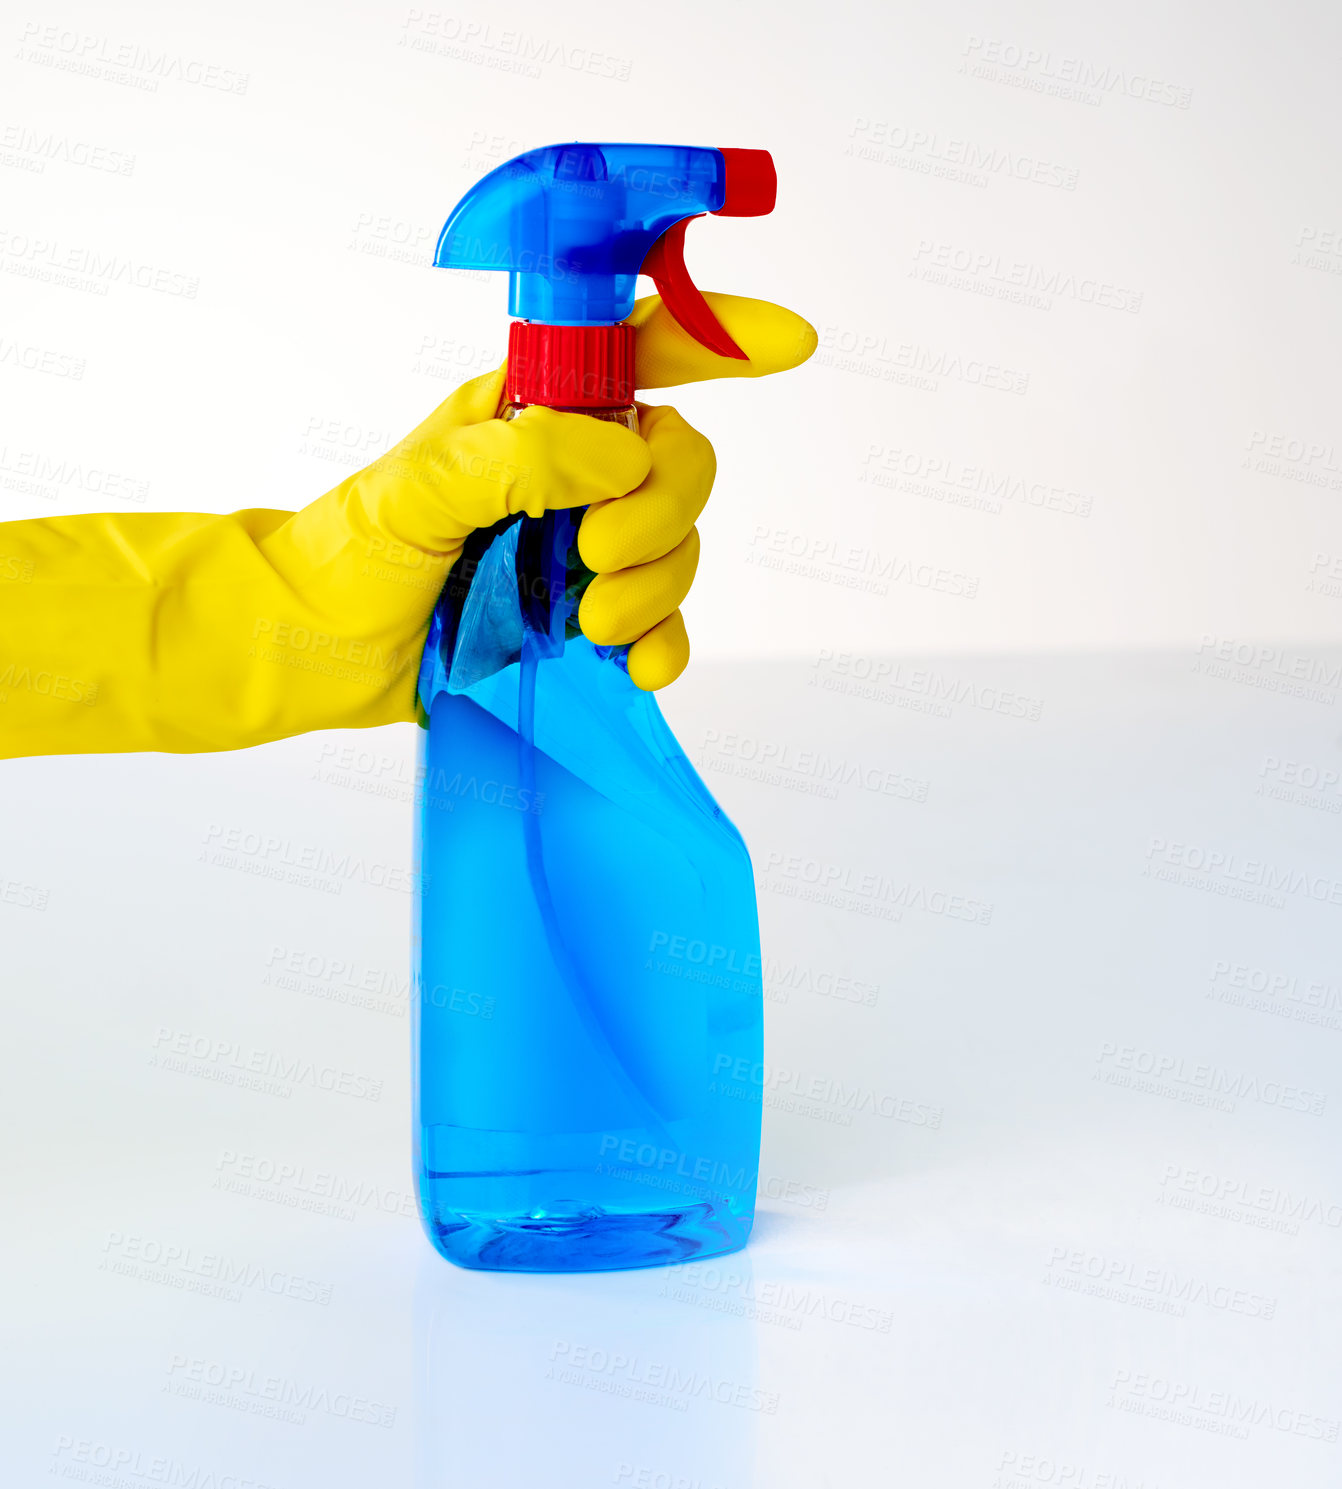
(589, 1024)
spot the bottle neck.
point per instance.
(588, 368)
(628, 415)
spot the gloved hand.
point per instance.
(185, 632)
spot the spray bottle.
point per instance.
(588, 1013)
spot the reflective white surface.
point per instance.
(1048, 1200)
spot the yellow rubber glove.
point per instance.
(186, 632)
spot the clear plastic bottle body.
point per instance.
(588, 1013)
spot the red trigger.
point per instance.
(665, 265)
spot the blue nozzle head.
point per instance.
(572, 224)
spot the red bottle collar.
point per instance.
(570, 366)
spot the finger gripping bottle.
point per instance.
(588, 1021)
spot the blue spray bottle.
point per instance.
(588, 1006)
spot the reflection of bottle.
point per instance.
(589, 1014)
(637, 1381)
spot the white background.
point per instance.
(305, 210)
(1077, 1278)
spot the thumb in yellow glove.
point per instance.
(187, 632)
